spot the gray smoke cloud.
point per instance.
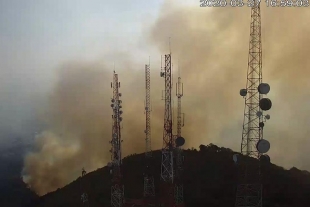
(210, 46)
(80, 123)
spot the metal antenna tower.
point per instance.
(249, 190)
(84, 196)
(167, 191)
(179, 157)
(117, 189)
(149, 188)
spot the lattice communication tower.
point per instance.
(178, 189)
(249, 190)
(117, 188)
(149, 187)
(167, 188)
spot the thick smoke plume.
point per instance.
(210, 46)
(80, 123)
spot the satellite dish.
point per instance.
(263, 88)
(265, 104)
(180, 141)
(259, 113)
(120, 112)
(235, 158)
(120, 119)
(120, 94)
(261, 124)
(243, 92)
(265, 158)
(263, 146)
(112, 100)
(112, 105)
(267, 116)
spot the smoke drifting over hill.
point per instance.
(80, 123)
(211, 46)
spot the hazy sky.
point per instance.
(38, 37)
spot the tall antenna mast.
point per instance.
(179, 142)
(149, 188)
(179, 94)
(84, 196)
(167, 191)
(249, 190)
(117, 189)
(170, 45)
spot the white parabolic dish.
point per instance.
(263, 146)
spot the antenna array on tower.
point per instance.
(117, 189)
(149, 188)
(167, 190)
(249, 190)
(178, 151)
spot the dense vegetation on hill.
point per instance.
(13, 191)
(209, 180)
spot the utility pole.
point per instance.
(84, 196)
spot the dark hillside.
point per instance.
(209, 180)
(13, 191)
